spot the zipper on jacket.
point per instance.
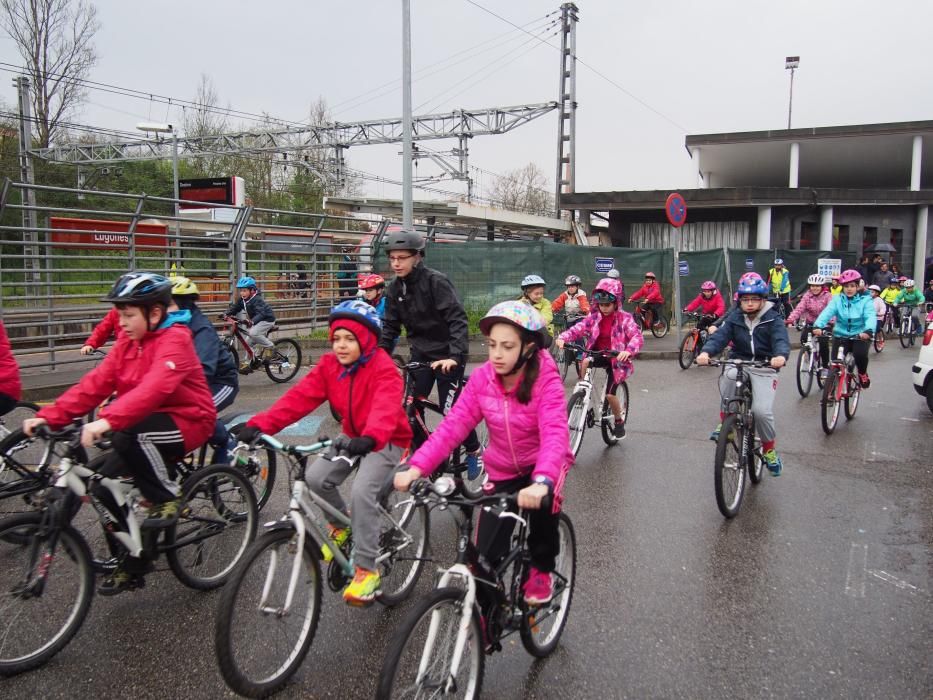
(350, 404)
(508, 432)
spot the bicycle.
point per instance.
(580, 414)
(15, 417)
(285, 359)
(809, 365)
(268, 613)
(646, 321)
(842, 386)
(46, 567)
(439, 648)
(879, 339)
(738, 449)
(692, 344)
(424, 415)
(907, 331)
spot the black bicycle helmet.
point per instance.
(140, 289)
(404, 240)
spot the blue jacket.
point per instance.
(256, 309)
(766, 338)
(219, 366)
(853, 316)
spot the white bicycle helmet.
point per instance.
(817, 280)
(533, 281)
(908, 283)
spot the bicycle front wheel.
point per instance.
(729, 469)
(566, 359)
(879, 340)
(852, 396)
(829, 405)
(40, 613)
(24, 465)
(576, 420)
(403, 546)
(607, 424)
(687, 350)
(259, 470)
(804, 371)
(285, 362)
(541, 627)
(217, 525)
(259, 644)
(420, 659)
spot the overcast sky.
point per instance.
(676, 68)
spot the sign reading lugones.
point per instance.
(603, 265)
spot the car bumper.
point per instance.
(921, 375)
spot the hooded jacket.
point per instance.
(521, 436)
(810, 306)
(426, 304)
(714, 306)
(853, 316)
(9, 371)
(651, 293)
(759, 339)
(256, 308)
(625, 335)
(159, 374)
(369, 399)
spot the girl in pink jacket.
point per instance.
(608, 327)
(808, 308)
(519, 394)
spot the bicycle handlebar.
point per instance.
(590, 351)
(756, 364)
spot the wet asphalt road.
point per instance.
(821, 587)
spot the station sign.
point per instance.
(603, 265)
(101, 232)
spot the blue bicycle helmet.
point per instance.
(360, 311)
(246, 282)
(752, 284)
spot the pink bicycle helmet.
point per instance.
(849, 276)
(708, 286)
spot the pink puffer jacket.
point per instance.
(522, 437)
(810, 306)
(625, 336)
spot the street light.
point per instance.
(791, 63)
(167, 129)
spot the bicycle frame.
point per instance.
(236, 333)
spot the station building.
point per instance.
(837, 188)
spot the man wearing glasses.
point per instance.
(425, 302)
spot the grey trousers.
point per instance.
(257, 335)
(323, 477)
(764, 384)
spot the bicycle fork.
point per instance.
(466, 613)
(297, 521)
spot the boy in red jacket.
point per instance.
(709, 302)
(163, 408)
(108, 326)
(651, 293)
(363, 385)
(11, 390)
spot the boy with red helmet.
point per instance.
(650, 292)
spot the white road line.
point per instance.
(892, 579)
(855, 575)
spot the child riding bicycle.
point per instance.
(911, 296)
(757, 333)
(109, 326)
(363, 385)
(518, 392)
(533, 295)
(709, 302)
(163, 408)
(259, 317)
(572, 302)
(855, 322)
(608, 327)
(650, 293)
(811, 304)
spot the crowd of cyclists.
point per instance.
(171, 375)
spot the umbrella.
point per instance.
(881, 248)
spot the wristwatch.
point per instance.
(541, 479)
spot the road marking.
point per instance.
(892, 579)
(912, 420)
(855, 575)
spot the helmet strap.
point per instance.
(528, 349)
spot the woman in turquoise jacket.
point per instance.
(855, 322)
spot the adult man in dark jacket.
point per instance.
(425, 302)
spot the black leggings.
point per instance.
(424, 382)
(7, 404)
(858, 347)
(494, 534)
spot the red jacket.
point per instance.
(370, 400)
(714, 306)
(651, 293)
(109, 325)
(161, 374)
(9, 370)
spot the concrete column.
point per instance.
(764, 228)
(920, 244)
(698, 167)
(826, 228)
(708, 179)
(794, 171)
(915, 163)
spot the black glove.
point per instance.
(246, 433)
(361, 445)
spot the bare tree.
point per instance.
(524, 189)
(55, 40)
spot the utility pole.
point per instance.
(30, 232)
(407, 218)
(567, 104)
(791, 63)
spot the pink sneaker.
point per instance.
(539, 588)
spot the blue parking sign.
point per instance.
(603, 265)
(749, 263)
(684, 268)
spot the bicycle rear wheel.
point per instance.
(576, 420)
(829, 404)
(804, 371)
(879, 340)
(285, 362)
(402, 552)
(687, 350)
(852, 397)
(729, 469)
(541, 627)
(419, 661)
(259, 645)
(660, 326)
(40, 615)
(24, 465)
(217, 525)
